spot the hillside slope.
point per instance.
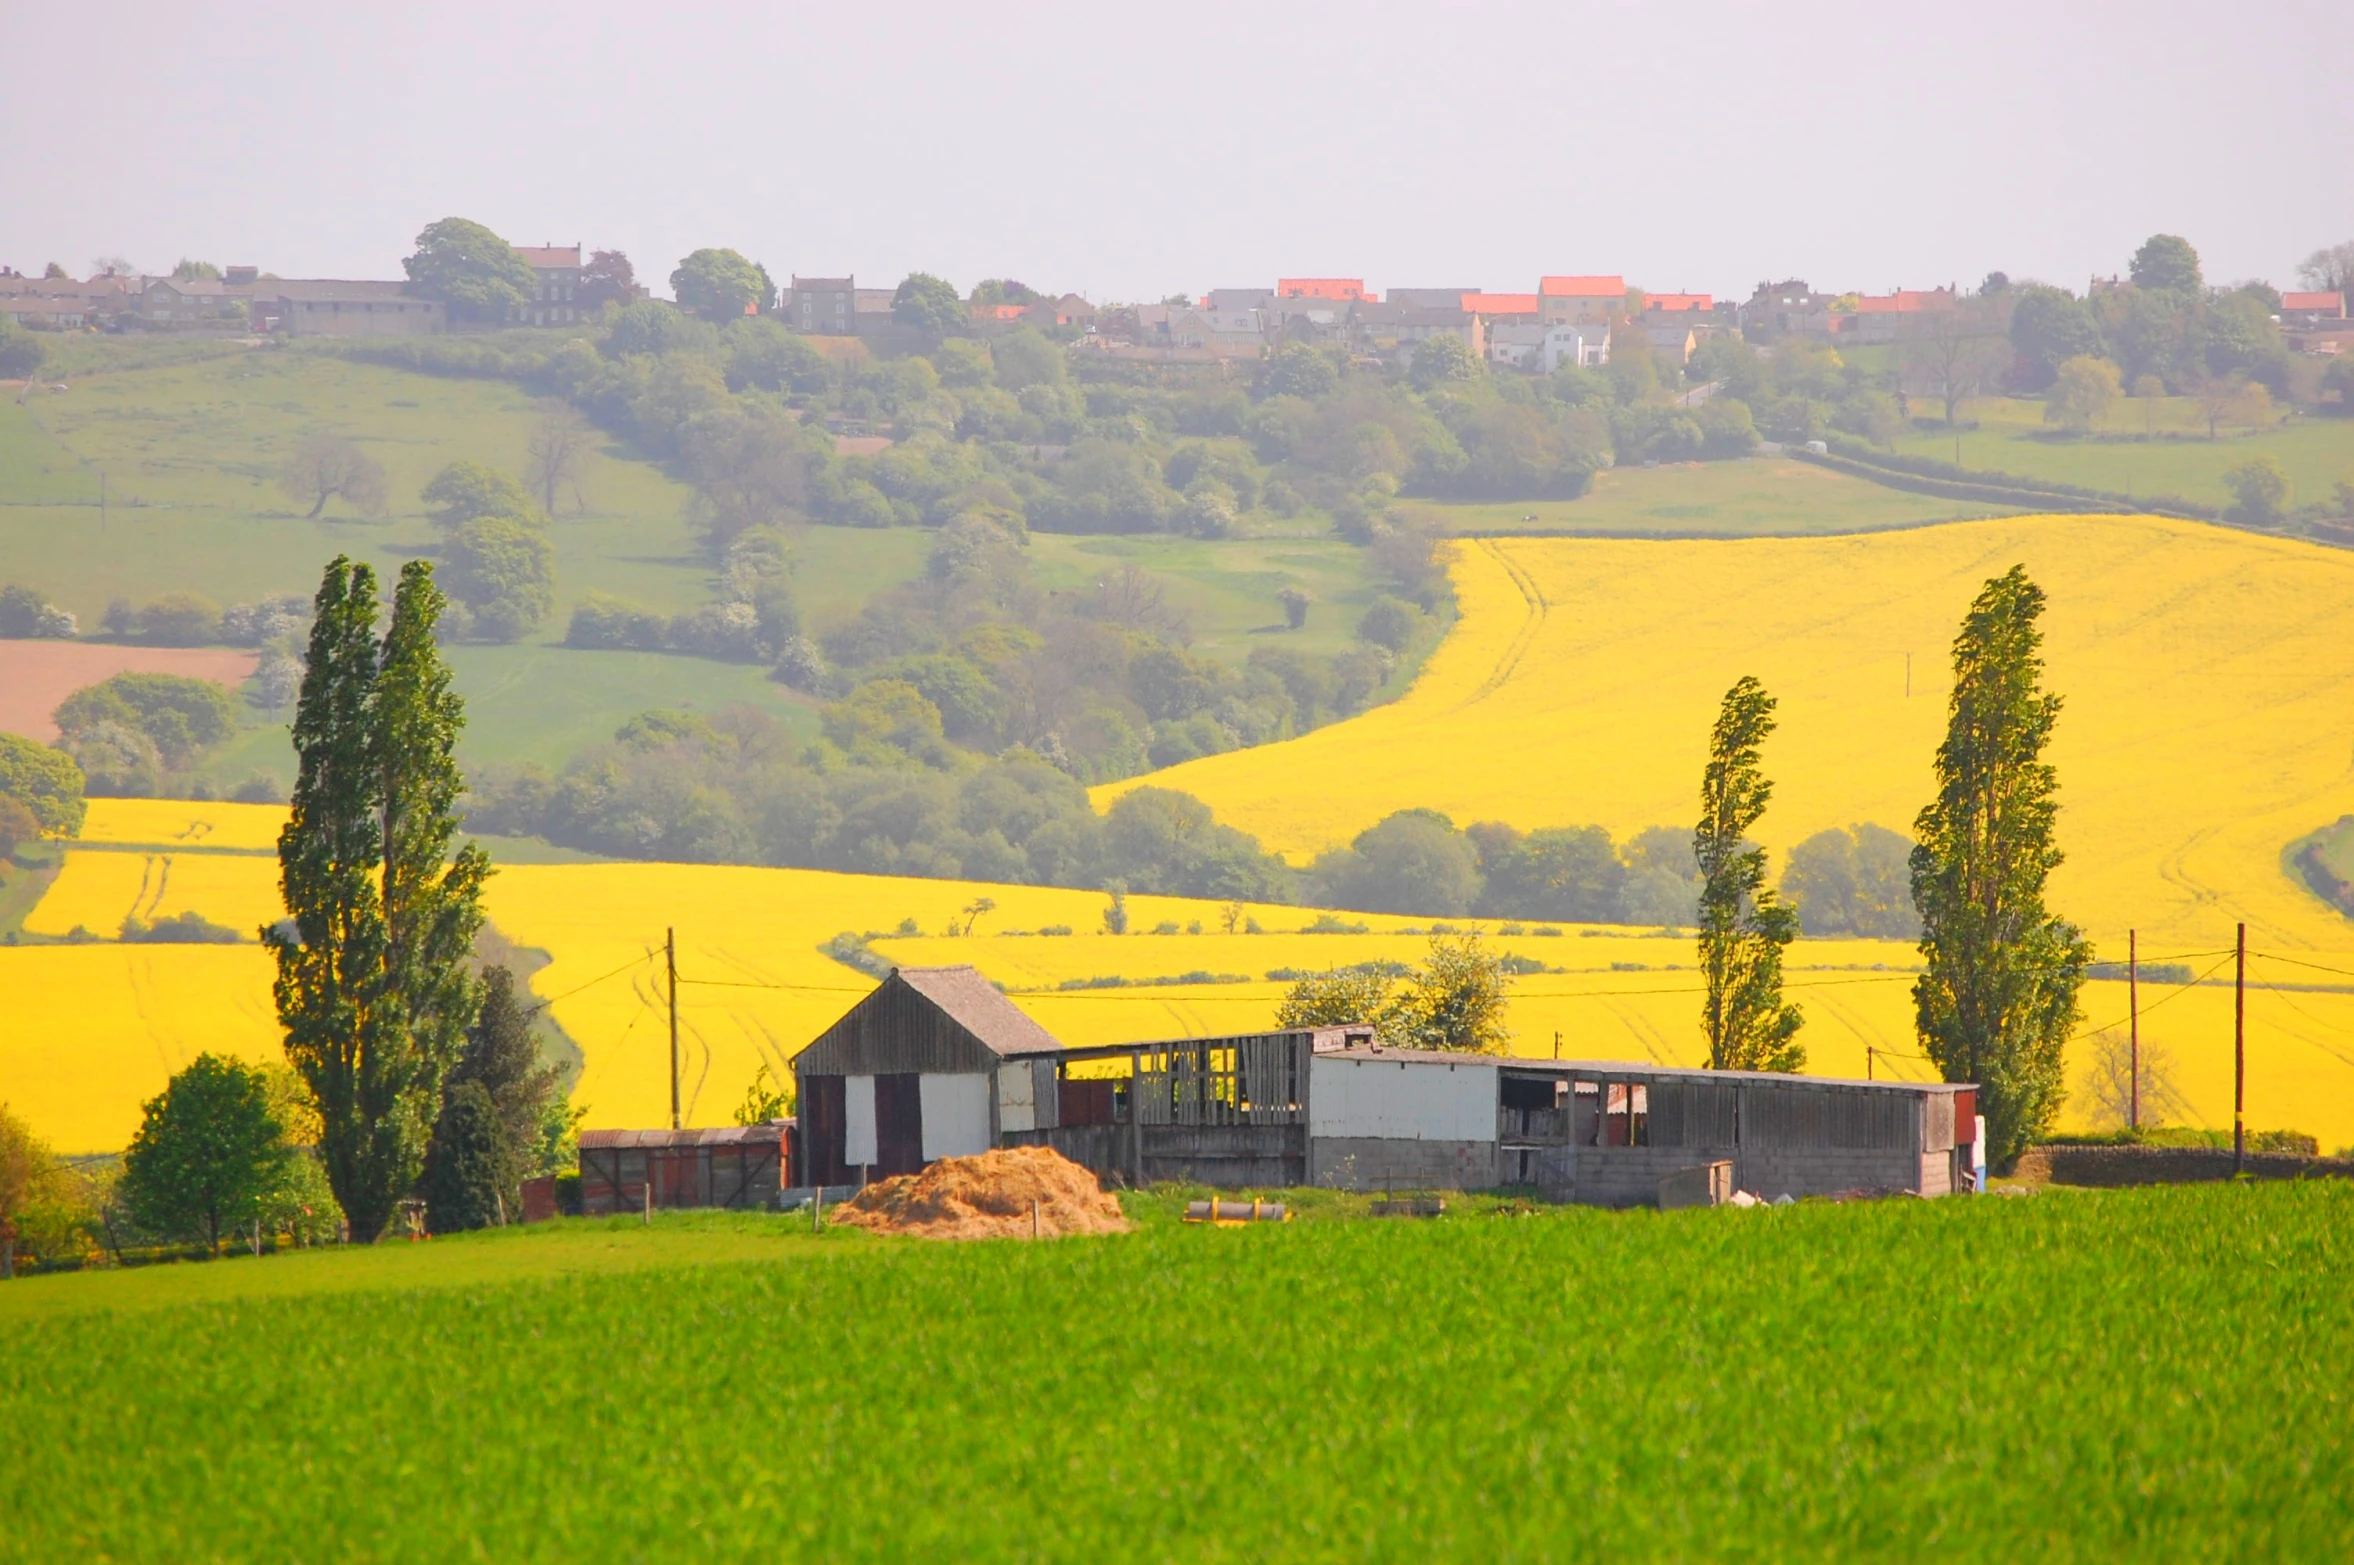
(2205, 673)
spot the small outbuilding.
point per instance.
(739, 1166)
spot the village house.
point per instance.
(937, 1062)
(1542, 349)
(1420, 325)
(1584, 301)
(1500, 309)
(1340, 290)
(555, 295)
(1888, 317)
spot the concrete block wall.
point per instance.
(1377, 1163)
(1826, 1170)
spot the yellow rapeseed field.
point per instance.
(185, 823)
(98, 888)
(2205, 672)
(2205, 729)
(88, 1033)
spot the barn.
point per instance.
(936, 1062)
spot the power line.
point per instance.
(2154, 1004)
(591, 984)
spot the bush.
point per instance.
(47, 783)
(186, 929)
(180, 716)
(180, 619)
(2260, 490)
(26, 615)
(1391, 623)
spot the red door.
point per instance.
(899, 1126)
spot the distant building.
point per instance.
(2311, 308)
(1785, 309)
(1542, 348)
(1430, 298)
(1594, 301)
(1501, 309)
(1670, 341)
(1346, 290)
(1679, 303)
(823, 306)
(1240, 298)
(335, 308)
(1417, 326)
(1889, 317)
(556, 269)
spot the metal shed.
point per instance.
(1611, 1133)
(733, 1166)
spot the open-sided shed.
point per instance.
(734, 1165)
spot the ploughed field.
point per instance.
(2154, 1374)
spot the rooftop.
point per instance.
(978, 1006)
(1582, 287)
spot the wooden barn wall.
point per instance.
(894, 1031)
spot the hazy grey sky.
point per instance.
(1136, 151)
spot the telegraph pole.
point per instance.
(2239, 1058)
(2133, 1009)
(670, 961)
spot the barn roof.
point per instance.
(710, 1136)
(978, 1006)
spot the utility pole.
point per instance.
(670, 961)
(1908, 676)
(2239, 1058)
(1867, 1062)
(2133, 1010)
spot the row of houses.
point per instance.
(1564, 320)
(937, 1062)
(245, 299)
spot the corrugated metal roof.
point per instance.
(1627, 1070)
(710, 1136)
(981, 1009)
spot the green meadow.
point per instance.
(1756, 497)
(2146, 1374)
(2151, 447)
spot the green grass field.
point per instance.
(2182, 462)
(1757, 497)
(2150, 1374)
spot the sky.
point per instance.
(1132, 152)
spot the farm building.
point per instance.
(937, 1063)
(737, 1166)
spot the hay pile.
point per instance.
(988, 1197)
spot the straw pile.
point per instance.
(992, 1196)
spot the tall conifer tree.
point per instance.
(1998, 998)
(372, 985)
(1743, 926)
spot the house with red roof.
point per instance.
(1501, 309)
(1593, 301)
(2310, 308)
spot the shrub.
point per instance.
(47, 783)
(1391, 622)
(25, 615)
(2259, 488)
(180, 619)
(186, 929)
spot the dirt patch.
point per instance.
(991, 1196)
(36, 675)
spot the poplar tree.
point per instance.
(1998, 997)
(373, 989)
(1743, 926)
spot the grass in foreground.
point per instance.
(2155, 1373)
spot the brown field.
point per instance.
(36, 675)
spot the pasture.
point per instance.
(2037, 1377)
(1754, 497)
(758, 983)
(2151, 447)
